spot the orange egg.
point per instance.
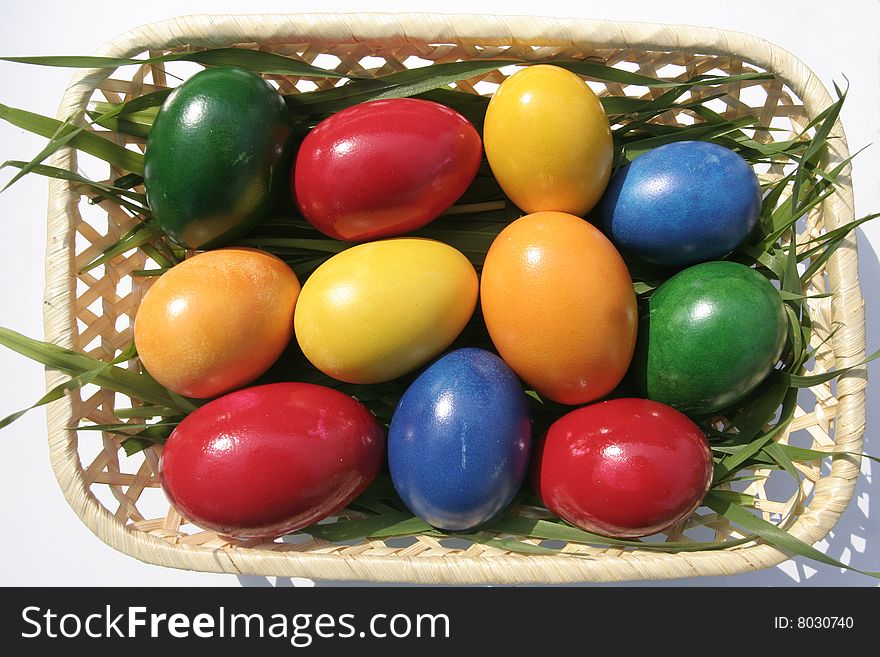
(559, 304)
(216, 321)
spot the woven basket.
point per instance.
(118, 497)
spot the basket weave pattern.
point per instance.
(118, 497)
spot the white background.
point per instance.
(44, 543)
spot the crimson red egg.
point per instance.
(385, 167)
(623, 468)
(264, 461)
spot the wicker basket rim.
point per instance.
(833, 492)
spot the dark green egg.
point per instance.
(213, 156)
(711, 334)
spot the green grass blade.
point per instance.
(840, 231)
(83, 140)
(752, 418)
(767, 399)
(824, 122)
(133, 117)
(767, 259)
(257, 61)
(509, 544)
(638, 119)
(743, 499)
(803, 454)
(798, 381)
(121, 126)
(346, 530)
(773, 534)
(56, 141)
(796, 343)
(700, 131)
(791, 280)
(438, 79)
(54, 394)
(162, 259)
(144, 439)
(143, 411)
(74, 383)
(368, 503)
(137, 444)
(62, 136)
(394, 85)
(411, 525)
(817, 261)
(123, 428)
(150, 102)
(72, 61)
(147, 273)
(254, 60)
(125, 381)
(295, 245)
(827, 245)
(788, 296)
(781, 458)
(554, 531)
(138, 236)
(610, 74)
(812, 351)
(107, 192)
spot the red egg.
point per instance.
(385, 167)
(623, 468)
(267, 460)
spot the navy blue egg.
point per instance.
(460, 438)
(682, 203)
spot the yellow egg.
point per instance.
(380, 310)
(548, 141)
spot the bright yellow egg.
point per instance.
(380, 310)
(548, 141)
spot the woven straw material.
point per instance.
(118, 497)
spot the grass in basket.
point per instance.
(743, 439)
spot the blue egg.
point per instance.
(460, 438)
(682, 203)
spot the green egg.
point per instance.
(711, 334)
(215, 157)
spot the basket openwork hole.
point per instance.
(485, 88)
(371, 62)
(107, 298)
(414, 61)
(305, 85)
(324, 60)
(631, 66)
(671, 71)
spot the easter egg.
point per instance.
(682, 203)
(548, 141)
(380, 310)
(623, 468)
(559, 306)
(214, 157)
(271, 459)
(384, 167)
(712, 333)
(216, 321)
(460, 438)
